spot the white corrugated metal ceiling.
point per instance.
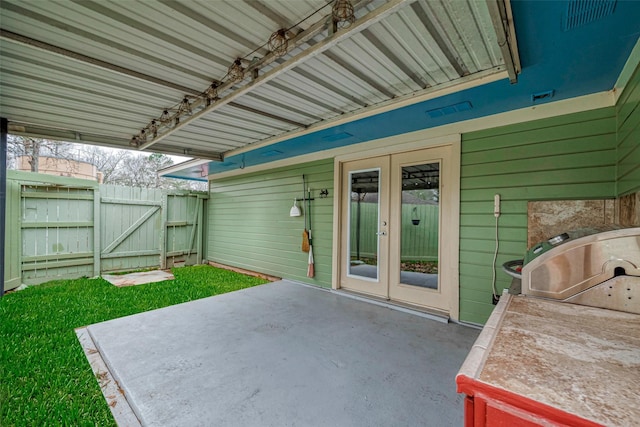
(99, 71)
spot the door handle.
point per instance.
(381, 233)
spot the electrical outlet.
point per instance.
(496, 205)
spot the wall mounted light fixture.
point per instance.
(295, 210)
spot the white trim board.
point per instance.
(183, 165)
(552, 109)
(627, 71)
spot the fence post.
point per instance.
(199, 207)
(97, 251)
(13, 235)
(4, 127)
(163, 231)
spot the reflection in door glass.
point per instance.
(419, 225)
(363, 223)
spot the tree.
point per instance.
(121, 167)
(141, 171)
(106, 161)
(34, 148)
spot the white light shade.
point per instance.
(295, 210)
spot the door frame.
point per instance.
(399, 144)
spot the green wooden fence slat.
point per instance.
(113, 201)
(73, 255)
(127, 254)
(57, 264)
(178, 253)
(56, 195)
(60, 224)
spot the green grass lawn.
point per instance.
(45, 379)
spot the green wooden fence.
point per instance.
(60, 227)
(418, 242)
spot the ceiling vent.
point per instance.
(583, 12)
(449, 109)
(542, 96)
(271, 153)
(336, 136)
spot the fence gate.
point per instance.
(60, 227)
(130, 227)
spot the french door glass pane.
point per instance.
(419, 225)
(363, 223)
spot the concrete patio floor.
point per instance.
(283, 354)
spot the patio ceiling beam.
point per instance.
(37, 44)
(361, 24)
(66, 135)
(189, 152)
(502, 20)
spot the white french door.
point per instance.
(394, 211)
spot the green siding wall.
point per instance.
(589, 155)
(250, 227)
(565, 157)
(628, 116)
